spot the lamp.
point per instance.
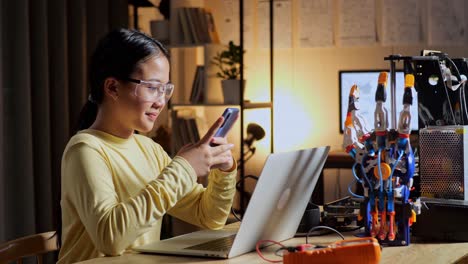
(254, 133)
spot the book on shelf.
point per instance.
(198, 86)
(201, 16)
(192, 128)
(184, 128)
(185, 131)
(211, 27)
(187, 33)
(193, 92)
(195, 25)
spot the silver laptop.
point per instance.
(274, 211)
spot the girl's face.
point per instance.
(137, 110)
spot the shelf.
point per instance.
(182, 46)
(202, 105)
(247, 105)
(187, 56)
(250, 105)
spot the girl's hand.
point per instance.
(203, 157)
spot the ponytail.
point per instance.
(87, 115)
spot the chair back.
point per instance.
(34, 245)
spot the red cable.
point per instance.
(257, 247)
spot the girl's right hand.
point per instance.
(202, 156)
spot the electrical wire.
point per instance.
(257, 248)
(363, 171)
(364, 175)
(463, 100)
(236, 216)
(350, 229)
(460, 95)
(380, 169)
(353, 169)
(455, 67)
(351, 192)
(322, 227)
(393, 169)
(457, 75)
(277, 252)
(450, 105)
(243, 179)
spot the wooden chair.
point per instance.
(34, 245)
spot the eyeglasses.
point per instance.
(152, 90)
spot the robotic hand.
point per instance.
(390, 155)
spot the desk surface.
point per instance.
(417, 252)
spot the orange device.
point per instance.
(364, 250)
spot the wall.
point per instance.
(306, 96)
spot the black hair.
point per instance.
(116, 55)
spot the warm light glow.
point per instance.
(257, 91)
(257, 76)
(294, 124)
(302, 118)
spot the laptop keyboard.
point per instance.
(220, 244)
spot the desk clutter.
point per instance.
(392, 177)
(351, 251)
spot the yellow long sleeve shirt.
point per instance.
(115, 192)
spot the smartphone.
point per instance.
(230, 116)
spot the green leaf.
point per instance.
(228, 61)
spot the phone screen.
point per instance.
(230, 116)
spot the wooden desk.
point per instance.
(426, 253)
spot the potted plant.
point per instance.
(228, 63)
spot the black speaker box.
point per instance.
(442, 220)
